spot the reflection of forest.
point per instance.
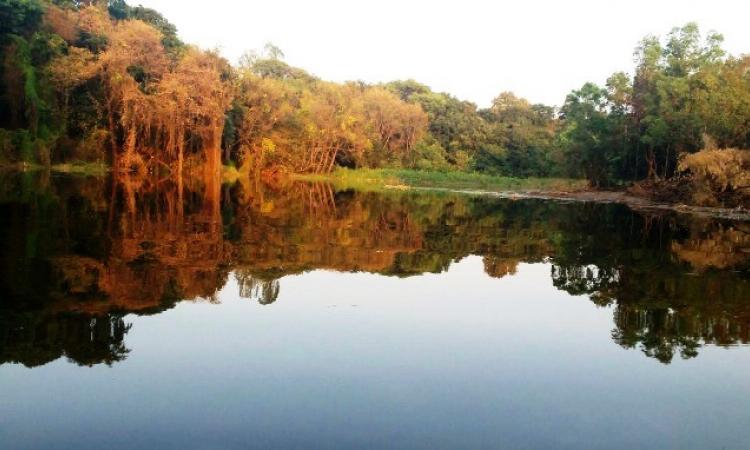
(81, 253)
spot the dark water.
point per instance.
(136, 314)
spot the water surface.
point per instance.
(140, 313)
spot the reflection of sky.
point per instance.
(339, 360)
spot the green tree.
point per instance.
(19, 17)
(523, 131)
(587, 135)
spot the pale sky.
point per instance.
(471, 49)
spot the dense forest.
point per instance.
(103, 81)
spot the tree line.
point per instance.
(104, 81)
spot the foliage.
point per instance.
(521, 138)
(74, 72)
(717, 174)
(121, 69)
(453, 124)
(282, 120)
(429, 155)
(512, 137)
(19, 17)
(587, 135)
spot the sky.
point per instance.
(474, 50)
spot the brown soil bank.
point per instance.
(632, 201)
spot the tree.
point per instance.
(665, 91)
(523, 131)
(397, 125)
(272, 51)
(19, 17)
(587, 135)
(118, 9)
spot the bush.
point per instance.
(718, 177)
(491, 159)
(429, 155)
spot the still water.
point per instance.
(143, 314)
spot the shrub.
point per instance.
(718, 176)
(429, 155)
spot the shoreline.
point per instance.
(74, 168)
(507, 187)
(460, 182)
(621, 197)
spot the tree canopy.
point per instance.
(106, 81)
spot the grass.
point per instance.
(380, 179)
(81, 168)
(75, 168)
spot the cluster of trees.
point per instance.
(87, 80)
(282, 117)
(511, 137)
(100, 80)
(684, 95)
(93, 80)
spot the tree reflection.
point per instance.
(36, 339)
(676, 287)
(257, 289)
(79, 253)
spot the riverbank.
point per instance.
(560, 189)
(74, 168)
(633, 202)
(384, 180)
